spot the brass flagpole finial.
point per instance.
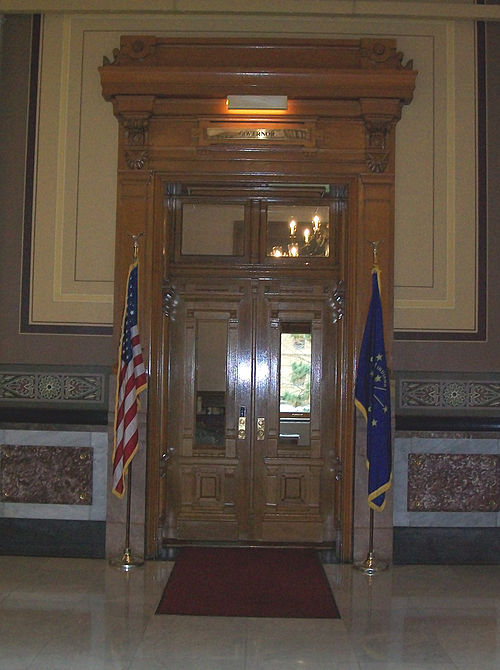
(135, 239)
(374, 250)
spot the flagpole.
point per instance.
(127, 561)
(371, 565)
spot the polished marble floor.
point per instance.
(78, 614)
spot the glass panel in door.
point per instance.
(295, 385)
(210, 383)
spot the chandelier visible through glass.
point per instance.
(298, 231)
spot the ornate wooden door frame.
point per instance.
(169, 96)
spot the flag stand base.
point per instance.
(371, 565)
(126, 561)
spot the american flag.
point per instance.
(131, 381)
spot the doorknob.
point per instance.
(261, 428)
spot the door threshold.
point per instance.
(326, 550)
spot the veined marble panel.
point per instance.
(95, 443)
(471, 446)
(453, 483)
(42, 474)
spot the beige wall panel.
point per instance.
(436, 228)
(435, 197)
(74, 214)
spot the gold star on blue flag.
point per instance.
(372, 398)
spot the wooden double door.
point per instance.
(252, 439)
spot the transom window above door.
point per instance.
(256, 224)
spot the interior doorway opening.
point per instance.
(169, 94)
(254, 365)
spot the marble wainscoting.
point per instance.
(53, 460)
(446, 481)
(53, 492)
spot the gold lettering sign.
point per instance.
(294, 134)
(247, 133)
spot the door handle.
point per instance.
(261, 428)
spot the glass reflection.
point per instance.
(297, 231)
(212, 229)
(210, 384)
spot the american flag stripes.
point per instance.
(131, 380)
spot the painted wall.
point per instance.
(438, 238)
(437, 226)
(50, 347)
(473, 355)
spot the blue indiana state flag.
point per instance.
(372, 398)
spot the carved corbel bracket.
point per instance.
(377, 151)
(136, 129)
(379, 124)
(135, 126)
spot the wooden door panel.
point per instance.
(207, 481)
(292, 488)
(209, 508)
(253, 486)
(292, 507)
(291, 480)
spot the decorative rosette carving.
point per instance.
(131, 51)
(376, 53)
(136, 161)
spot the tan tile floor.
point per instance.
(77, 614)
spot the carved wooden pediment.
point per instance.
(331, 70)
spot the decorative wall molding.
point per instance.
(449, 393)
(438, 9)
(54, 386)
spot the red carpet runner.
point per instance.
(250, 582)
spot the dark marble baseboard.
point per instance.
(446, 546)
(10, 416)
(52, 537)
(437, 422)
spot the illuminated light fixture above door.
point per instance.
(313, 240)
(257, 102)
